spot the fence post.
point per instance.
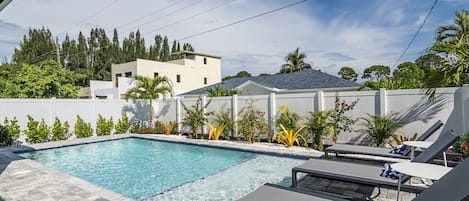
(178, 114)
(271, 114)
(234, 114)
(52, 111)
(382, 102)
(204, 127)
(93, 121)
(320, 102)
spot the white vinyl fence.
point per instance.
(451, 106)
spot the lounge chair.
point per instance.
(376, 151)
(369, 174)
(272, 192)
(452, 186)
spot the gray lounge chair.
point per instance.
(452, 186)
(376, 151)
(369, 174)
(273, 192)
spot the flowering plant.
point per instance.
(462, 146)
(196, 115)
(341, 122)
(251, 122)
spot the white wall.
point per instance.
(455, 112)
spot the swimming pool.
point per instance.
(156, 170)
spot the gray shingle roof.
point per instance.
(305, 79)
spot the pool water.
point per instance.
(155, 170)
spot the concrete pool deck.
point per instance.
(25, 179)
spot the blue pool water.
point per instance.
(149, 169)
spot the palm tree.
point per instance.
(149, 88)
(456, 31)
(295, 61)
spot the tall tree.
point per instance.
(128, 48)
(116, 51)
(174, 50)
(456, 31)
(295, 61)
(149, 88)
(409, 75)
(348, 73)
(376, 72)
(164, 54)
(140, 50)
(38, 46)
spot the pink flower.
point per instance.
(346, 105)
(188, 113)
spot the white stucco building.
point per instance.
(193, 71)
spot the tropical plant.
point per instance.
(295, 61)
(149, 88)
(215, 131)
(289, 137)
(339, 120)
(123, 124)
(60, 131)
(167, 127)
(82, 129)
(196, 115)
(37, 132)
(318, 125)
(103, 126)
(456, 31)
(220, 90)
(223, 116)
(12, 127)
(251, 121)
(286, 118)
(399, 139)
(380, 128)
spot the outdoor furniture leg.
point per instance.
(398, 188)
(293, 178)
(412, 150)
(444, 158)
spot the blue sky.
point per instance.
(333, 33)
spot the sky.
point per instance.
(332, 33)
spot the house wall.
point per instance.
(192, 71)
(451, 107)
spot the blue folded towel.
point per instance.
(401, 149)
(389, 172)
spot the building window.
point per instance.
(128, 74)
(118, 75)
(205, 80)
(205, 60)
(155, 75)
(178, 78)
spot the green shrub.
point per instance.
(134, 127)
(286, 118)
(224, 117)
(251, 122)
(196, 116)
(12, 127)
(5, 137)
(318, 125)
(123, 124)
(103, 126)
(380, 128)
(60, 131)
(82, 129)
(37, 132)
